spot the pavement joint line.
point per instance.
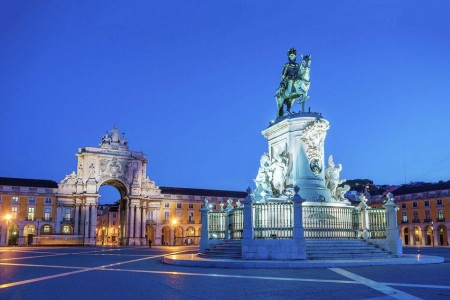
(418, 285)
(379, 286)
(234, 276)
(16, 283)
(45, 266)
(28, 257)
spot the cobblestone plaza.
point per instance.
(137, 272)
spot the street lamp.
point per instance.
(432, 235)
(103, 235)
(174, 225)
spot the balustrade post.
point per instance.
(204, 239)
(247, 233)
(394, 244)
(364, 216)
(298, 215)
(298, 230)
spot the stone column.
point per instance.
(76, 218)
(86, 224)
(158, 226)
(82, 219)
(126, 223)
(393, 242)
(143, 224)
(59, 217)
(132, 223)
(204, 239)
(93, 224)
(138, 225)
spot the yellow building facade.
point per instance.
(423, 214)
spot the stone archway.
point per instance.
(111, 163)
(405, 234)
(442, 235)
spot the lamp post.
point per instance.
(174, 224)
(103, 235)
(432, 235)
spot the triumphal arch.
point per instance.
(111, 163)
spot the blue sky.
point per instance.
(191, 83)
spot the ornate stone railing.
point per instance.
(217, 224)
(330, 222)
(273, 220)
(236, 219)
(298, 220)
(377, 223)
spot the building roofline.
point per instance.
(27, 182)
(201, 192)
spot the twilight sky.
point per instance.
(191, 83)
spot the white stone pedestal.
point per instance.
(302, 135)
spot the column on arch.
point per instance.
(93, 221)
(144, 220)
(86, 221)
(138, 221)
(76, 229)
(132, 219)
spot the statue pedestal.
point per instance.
(302, 136)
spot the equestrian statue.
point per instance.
(294, 83)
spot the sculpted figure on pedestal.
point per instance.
(332, 177)
(295, 81)
(272, 175)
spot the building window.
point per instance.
(404, 217)
(14, 212)
(415, 216)
(179, 214)
(30, 230)
(191, 205)
(114, 215)
(114, 222)
(427, 203)
(439, 202)
(30, 214)
(414, 204)
(67, 214)
(166, 215)
(191, 217)
(66, 229)
(47, 213)
(166, 205)
(178, 205)
(440, 215)
(46, 229)
(150, 216)
(403, 205)
(31, 200)
(427, 215)
(48, 200)
(14, 200)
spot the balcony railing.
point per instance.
(66, 220)
(404, 221)
(440, 219)
(416, 221)
(30, 219)
(47, 219)
(427, 220)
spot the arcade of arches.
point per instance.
(428, 235)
